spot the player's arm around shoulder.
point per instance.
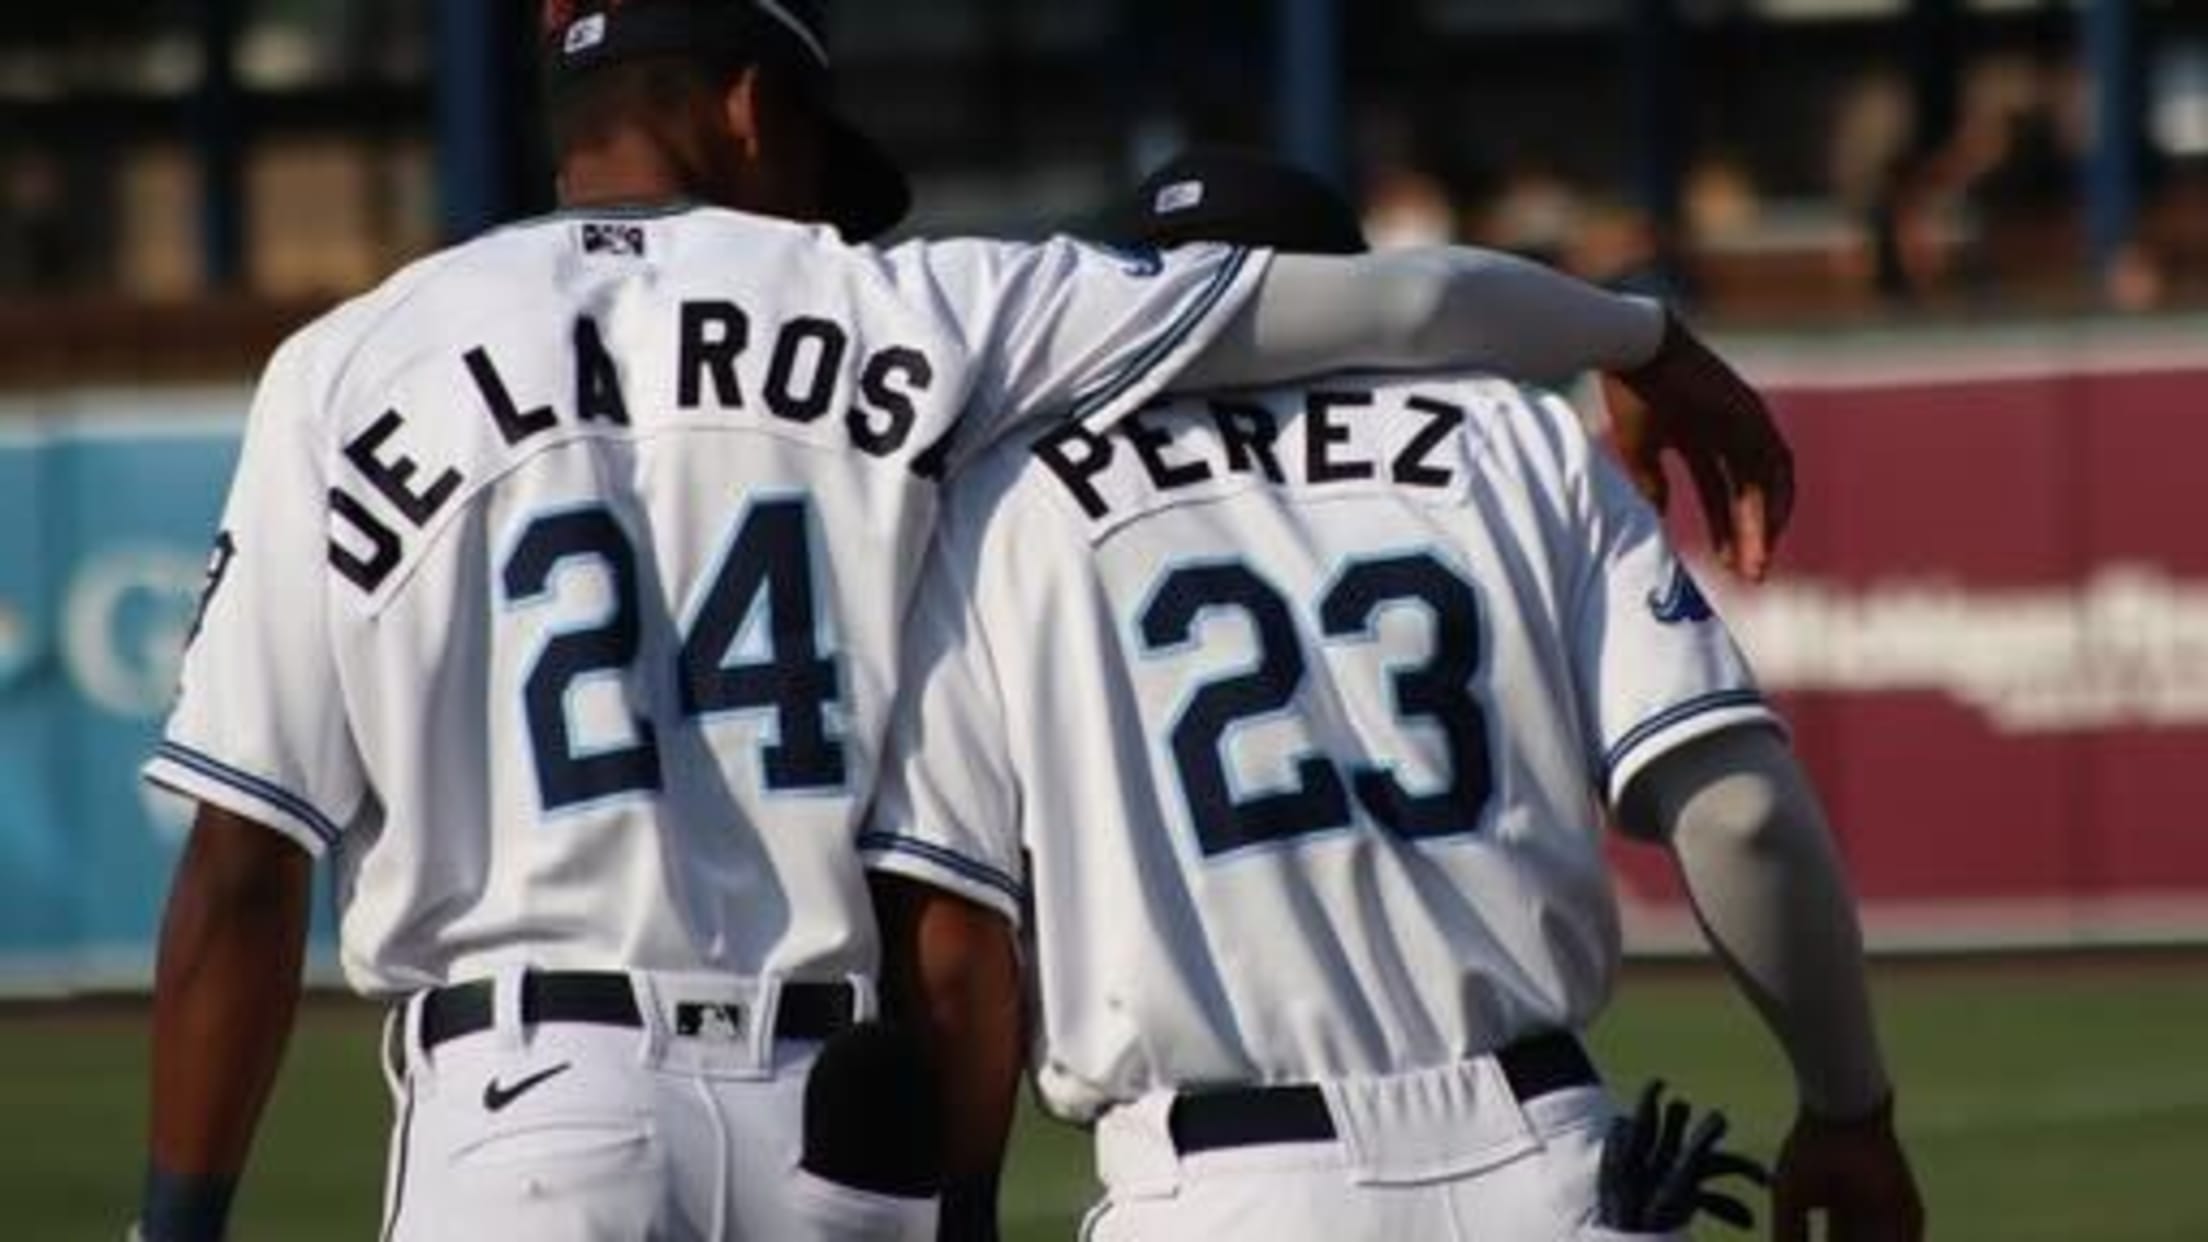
(1759, 862)
(1469, 309)
(225, 992)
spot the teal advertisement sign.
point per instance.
(107, 504)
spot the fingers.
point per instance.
(1702, 1142)
(1666, 1157)
(1726, 1208)
(1647, 1124)
(1682, 1176)
(1762, 465)
(1726, 1164)
(1715, 491)
(1782, 495)
(1751, 553)
(1617, 1176)
(1743, 470)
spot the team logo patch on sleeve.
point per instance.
(218, 568)
(1681, 601)
(619, 241)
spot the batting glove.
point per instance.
(1655, 1171)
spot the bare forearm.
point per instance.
(951, 973)
(1766, 881)
(1442, 308)
(974, 1023)
(970, 1010)
(226, 990)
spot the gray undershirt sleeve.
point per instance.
(1765, 877)
(1445, 308)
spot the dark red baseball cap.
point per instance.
(867, 193)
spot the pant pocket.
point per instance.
(553, 1179)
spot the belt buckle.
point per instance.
(715, 1022)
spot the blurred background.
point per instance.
(1963, 244)
(1813, 159)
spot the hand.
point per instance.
(1654, 1172)
(1852, 1171)
(1743, 471)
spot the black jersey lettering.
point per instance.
(1323, 433)
(1414, 465)
(598, 395)
(888, 386)
(804, 399)
(714, 336)
(514, 424)
(1151, 445)
(393, 478)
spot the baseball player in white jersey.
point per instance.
(557, 604)
(1280, 722)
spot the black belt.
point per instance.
(805, 1011)
(1251, 1116)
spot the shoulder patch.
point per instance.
(1681, 602)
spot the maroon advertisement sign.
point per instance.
(1991, 635)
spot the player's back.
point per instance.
(596, 476)
(562, 577)
(1307, 699)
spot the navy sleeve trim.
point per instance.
(246, 783)
(1670, 717)
(955, 863)
(1222, 282)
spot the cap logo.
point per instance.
(1180, 196)
(586, 34)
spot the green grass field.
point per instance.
(2058, 1102)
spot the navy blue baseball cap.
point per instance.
(867, 193)
(1245, 198)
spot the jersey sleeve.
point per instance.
(1071, 329)
(1656, 666)
(947, 810)
(259, 727)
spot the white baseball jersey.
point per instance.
(1286, 716)
(560, 586)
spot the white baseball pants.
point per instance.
(584, 1133)
(1448, 1155)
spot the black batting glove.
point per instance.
(1656, 1172)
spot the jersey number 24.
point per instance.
(1437, 690)
(769, 565)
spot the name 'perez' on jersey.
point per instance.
(1288, 716)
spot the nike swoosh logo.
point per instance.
(496, 1097)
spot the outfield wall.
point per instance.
(1991, 636)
